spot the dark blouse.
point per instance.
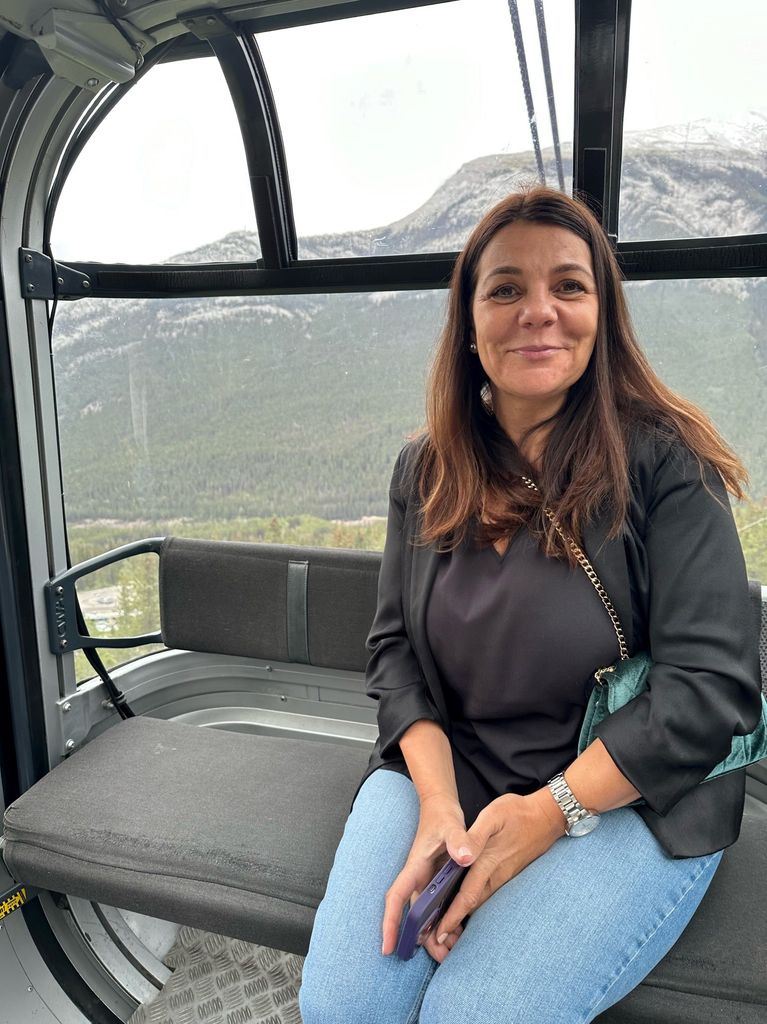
(516, 639)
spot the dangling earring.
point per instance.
(473, 347)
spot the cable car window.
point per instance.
(162, 175)
(273, 419)
(695, 128)
(400, 129)
(708, 340)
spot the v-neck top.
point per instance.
(516, 639)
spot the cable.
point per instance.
(514, 12)
(117, 696)
(104, 7)
(541, 19)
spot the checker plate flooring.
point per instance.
(217, 980)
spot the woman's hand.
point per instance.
(441, 832)
(507, 835)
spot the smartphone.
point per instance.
(428, 908)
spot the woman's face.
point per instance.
(534, 312)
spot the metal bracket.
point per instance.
(86, 49)
(80, 712)
(41, 278)
(207, 23)
(75, 720)
(71, 283)
(36, 272)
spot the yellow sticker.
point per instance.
(13, 902)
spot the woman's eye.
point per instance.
(505, 291)
(571, 286)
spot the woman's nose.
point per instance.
(537, 308)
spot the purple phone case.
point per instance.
(427, 909)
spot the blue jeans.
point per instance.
(560, 943)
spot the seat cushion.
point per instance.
(225, 831)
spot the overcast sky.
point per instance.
(377, 112)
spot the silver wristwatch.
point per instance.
(579, 821)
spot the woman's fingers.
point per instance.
(396, 898)
(405, 890)
(439, 951)
(433, 840)
(483, 877)
(475, 889)
(463, 847)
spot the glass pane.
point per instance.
(696, 120)
(162, 177)
(415, 121)
(707, 340)
(262, 419)
(119, 600)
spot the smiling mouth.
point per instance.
(536, 349)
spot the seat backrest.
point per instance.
(307, 605)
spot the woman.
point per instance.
(486, 638)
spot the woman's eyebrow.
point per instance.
(562, 268)
(507, 269)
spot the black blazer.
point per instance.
(677, 580)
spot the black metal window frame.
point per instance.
(602, 29)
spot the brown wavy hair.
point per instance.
(468, 467)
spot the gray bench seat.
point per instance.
(224, 831)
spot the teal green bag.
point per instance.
(617, 684)
(626, 679)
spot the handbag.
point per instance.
(621, 682)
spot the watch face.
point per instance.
(584, 826)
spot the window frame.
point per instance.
(602, 30)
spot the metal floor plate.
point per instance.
(217, 980)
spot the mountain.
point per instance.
(218, 407)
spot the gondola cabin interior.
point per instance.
(226, 233)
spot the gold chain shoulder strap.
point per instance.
(588, 568)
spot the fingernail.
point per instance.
(464, 852)
(441, 938)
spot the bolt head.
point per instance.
(63, 644)
(66, 707)
(92, 83)
(70, 745)
(59, 589)
(30, 287)
(210, 20)
(28, 258)
(59, 280)
(86, 283)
